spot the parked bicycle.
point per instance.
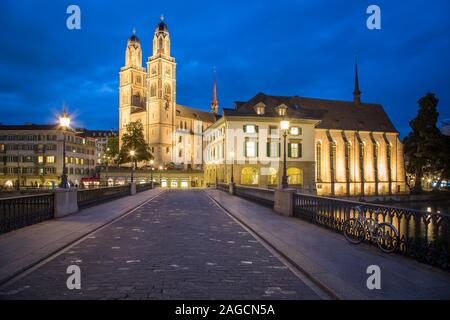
(384, 234)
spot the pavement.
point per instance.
(330, 261)
(180, 245)
(25, 247)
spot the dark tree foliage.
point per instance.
(133, 139)
(423, 145)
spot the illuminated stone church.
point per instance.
(174, 132)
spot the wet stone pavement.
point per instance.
(178, 246)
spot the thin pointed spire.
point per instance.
(356, 92)
(215, 103)
(134, 31)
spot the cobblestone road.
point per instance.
(178, 246)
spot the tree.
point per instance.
(133, 139)
(112, 148)
(423, 144)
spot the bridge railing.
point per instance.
(19, 212)
(423, 235)
(143, 187)
(89, 197)
(223, 186)
(262, 196)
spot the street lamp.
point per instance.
(151, 172)
(64, 122)
(284, 125)
(132, 153)
(232, 163)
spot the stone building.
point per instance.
(174, 132)
(33, 154)
(341, 148)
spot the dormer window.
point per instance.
(282, 110)
(260, 109)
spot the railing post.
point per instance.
(65, 202)
(132, 188)
(284, 202)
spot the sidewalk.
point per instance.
(23, 248)
(335, 263)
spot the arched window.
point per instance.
(153, 90)
(249, 176)
(319, 161)
(272, 176)
(167, 89)
(295, 176)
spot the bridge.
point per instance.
(158, 243)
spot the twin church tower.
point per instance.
(148, 95)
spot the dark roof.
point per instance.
(134, 38)
(186, 112)
(332, 114)
(162, 26)
(30, 126)
(97, 133)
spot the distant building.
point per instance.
(101, 142)
(33, 155)
(337, 148)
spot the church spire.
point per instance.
(215, 103)
(356, 92)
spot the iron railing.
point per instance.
(261, 196)
(89, 197)
(19, 212)
(223, 187)
(423, 235)
(143, 187)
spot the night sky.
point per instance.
(303, 48)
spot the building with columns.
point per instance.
(174, 132)
(338, 148)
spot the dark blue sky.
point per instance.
(303, 48)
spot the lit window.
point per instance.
(50, 159)
(295, 150)
(250, 128)
(295, 131)
(250, 149)
(41, 159)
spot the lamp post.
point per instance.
(232, 163)
(132, 153)
(284, 125)
(160, 175)
(107, 165)
(64, 122)
(151, 173)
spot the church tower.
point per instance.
(132, 83)
(161, 97)
(215, 103)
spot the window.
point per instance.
(251, 149)
(282, 110)
(295, 176)
(319, 161)
(273, 149)
(153, 90)
(295, 131)
(295, 150)
(249, 176)
(333, 161)
(250, 128)
(273, 130)
(272, 176)
(41, 159)
(50, 159)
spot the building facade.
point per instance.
(337, 148)
(174, 132)
(33, 155)
(101, 138)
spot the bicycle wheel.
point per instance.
(387, 237)
(354, 231)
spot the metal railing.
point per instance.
(223, 187)
(143, 187)
(89, 197)
(423, 235)
(262, 196)
(19, 212)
